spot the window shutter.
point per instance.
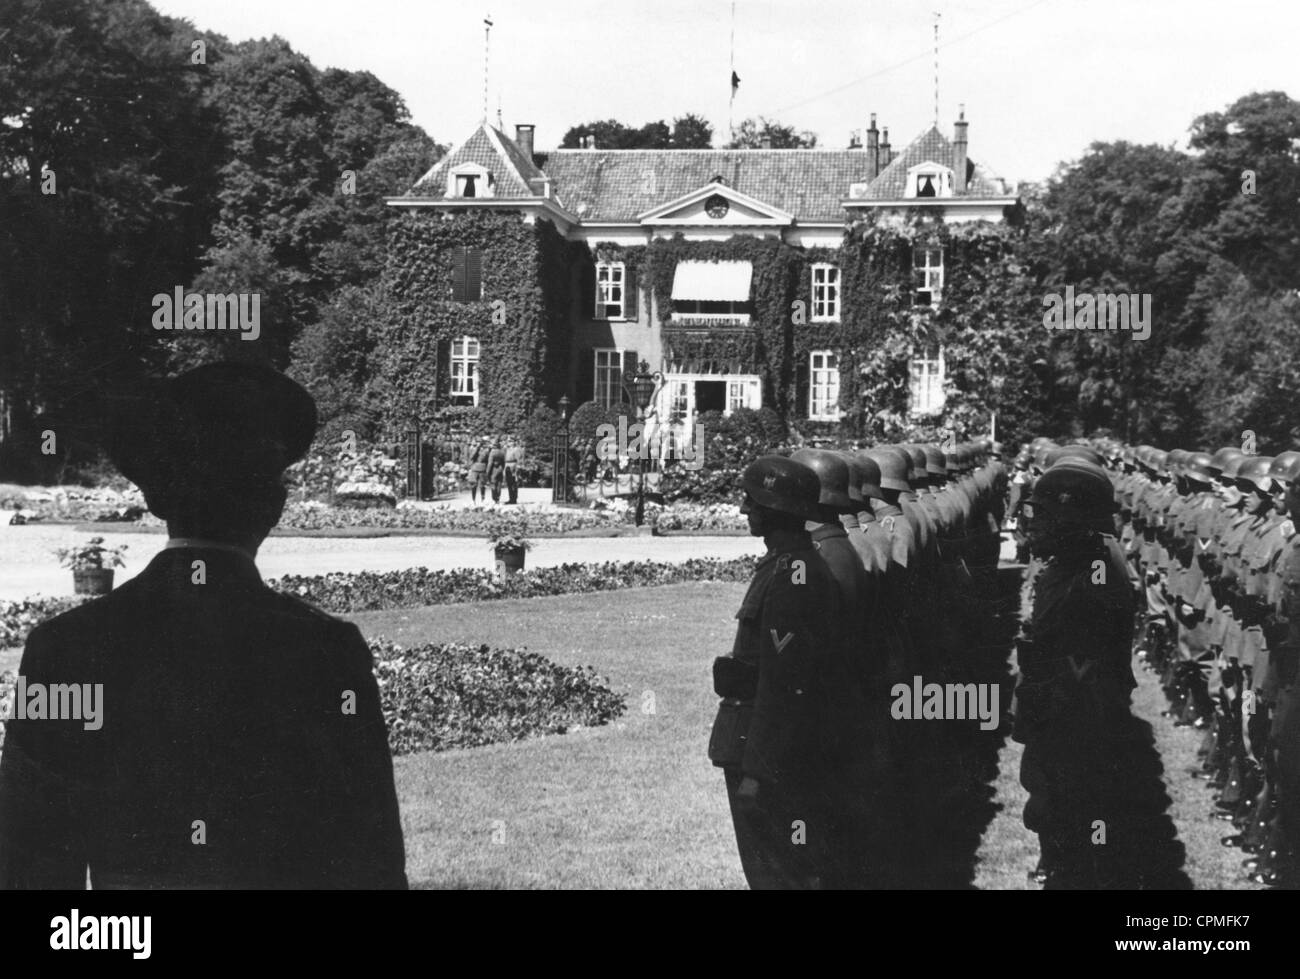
(586, 390)
(629, 294)
(630, 363)
(458, 274)
(474, 274)
(588, 290)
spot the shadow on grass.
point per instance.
(957, 770)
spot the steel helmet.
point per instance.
(1285, 466)
(894, 463)
(1233, 466)
(934, 462)
(916, 475)
(832, 473)
(1074, 452)
(782, 484)
(1198, 467)
(1254, 470)
(1220, 458)
(1077, 486)
(864, 477)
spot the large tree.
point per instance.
(756, 133)
(107, 183)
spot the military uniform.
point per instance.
(782, 718)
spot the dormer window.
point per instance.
(929, 180)
(471, 180)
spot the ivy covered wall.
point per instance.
(521, 321)
(986, 321)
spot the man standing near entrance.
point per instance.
(514, 456)
(496, 469)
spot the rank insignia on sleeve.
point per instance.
(782, 641)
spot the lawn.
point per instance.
(635, 804)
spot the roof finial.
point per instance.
(487, 50)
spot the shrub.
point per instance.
(365, 591)
(438, 696)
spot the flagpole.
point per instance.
(731, 105)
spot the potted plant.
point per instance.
(92, 565)
(508, 541)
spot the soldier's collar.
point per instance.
(826, 531)
(203, 544)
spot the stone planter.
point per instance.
(509, 560)
(93, 581)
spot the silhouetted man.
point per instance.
(241, 741)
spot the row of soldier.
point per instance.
(879, 571)
(1213, 538)
(1211, 551)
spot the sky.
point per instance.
(1040, 79)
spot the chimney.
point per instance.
(767, 142)
(959, 151)
(524, 140)
(855, 140)
(873, 149)
(885, 155)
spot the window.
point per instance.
(735, 395)
(467, 275)
(825, 293)
(610, 367)
(927, 276)
(470, 180)
(610, 281)
(679, 401)
(464, 370)
(928, 179)
(927, 382)
(824, 386)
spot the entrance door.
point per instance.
(710, 396)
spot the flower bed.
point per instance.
(449, 695)
(371, 591)
(344, 592)
(438, 696)
(73, 503)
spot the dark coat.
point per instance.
(222, 719)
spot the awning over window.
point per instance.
(713, 281)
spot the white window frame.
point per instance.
(926, 376)
(614, 357)
(464, 368)
(610, 276)
(931, 274)
(823, 376)
(941, 175)
(825, 293)
(485, 185)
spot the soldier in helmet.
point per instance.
(1072, 700)
(791, 701)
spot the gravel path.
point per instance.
(29, 567)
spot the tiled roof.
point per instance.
(933, 147)
(493, 150)
(617, 185)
